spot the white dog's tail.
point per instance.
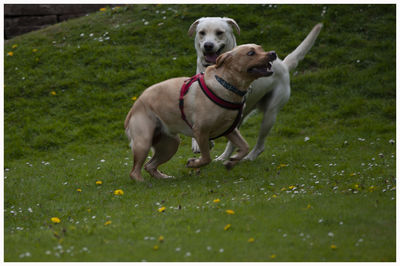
(292, 59)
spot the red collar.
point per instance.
(213, 97)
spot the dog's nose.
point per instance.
(272, 55)
(208, 46)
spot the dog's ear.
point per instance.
(222, 59)
(233, 23)
(193, 27)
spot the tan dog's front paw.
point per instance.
(193, 163)
(196, 163)
(229, 164)
(136, 177)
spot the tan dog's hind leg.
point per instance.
(165, 147)
(205, 158)
(141, 130)
(243, 148)
(141, 148)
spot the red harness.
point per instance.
(213, 97)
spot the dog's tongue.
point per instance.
(211, 58)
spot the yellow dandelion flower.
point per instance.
(292, 187)
(216, 200)
(79, 190)
(53, 93)
(119, 192)
(273, 256)
(10, 53)
(34, 50)
(14, 46)
(103, 9)
(162, 209)
(308, 206)
(230, 212)
(371, 188)
(156, 247)
(55, 220)
(227, 227)
(134, 98)
(283, 189)
(107, 223)
(251, 240)
(274, 196)
(161, 239)
(333, 247)
(356, 186)
(281, 165)
(99, 182)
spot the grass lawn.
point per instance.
(323, 190)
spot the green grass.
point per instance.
(323, 190)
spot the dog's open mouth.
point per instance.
(211, 57)
(264, 69)
(261, 70)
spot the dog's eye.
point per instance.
(219, 33)
(202, 33)
(251, 53)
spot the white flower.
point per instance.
(221, 250)
(331, 234)
(306, 139)
(391, 141)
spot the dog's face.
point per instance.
(214, 36)
(248, 60)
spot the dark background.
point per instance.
(23, 18)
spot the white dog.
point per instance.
(214, 36)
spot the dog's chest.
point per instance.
(207, 115)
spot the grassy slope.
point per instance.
(343, 99)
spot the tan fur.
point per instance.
(155, 119)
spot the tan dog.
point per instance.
(155, 119)
(214, 35)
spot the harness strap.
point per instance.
(213, 97)
(185, 88)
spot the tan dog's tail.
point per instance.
(292, 59)
(126, 125)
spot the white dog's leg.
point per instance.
(195, 146)
(229, 149)
(266, 125)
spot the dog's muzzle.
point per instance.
(210, 55)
